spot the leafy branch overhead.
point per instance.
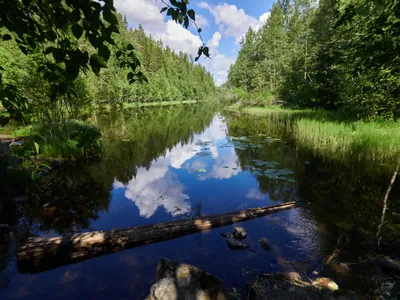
(179, 12)
(62, 31)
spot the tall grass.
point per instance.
(333, 135)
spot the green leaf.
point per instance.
(206, 51)
(110, 17)
(58, 55)
(170, 11)
(34, 175)
(36, 148)
(77, 30)
(104, 52)
(75, 16)
(97, 62)
(192, 14)
(72, 72)
(164, 9)
(186, 22)
(6, 37)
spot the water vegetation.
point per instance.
(329, 134)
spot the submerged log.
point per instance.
(40, 254)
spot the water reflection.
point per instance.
(159, 164)
(156, 187)
(159, 186)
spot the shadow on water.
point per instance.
(160, 163)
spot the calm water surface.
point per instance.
(165, 164)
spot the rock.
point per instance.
(264, 243)
(235, 244)
(239, 233)
(387, 264)
(19, 199)
(325, 283)
(176, 281)
(164, 289)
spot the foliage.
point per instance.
(333, 54)
(57, 28)
(78, 141)
(330, 134)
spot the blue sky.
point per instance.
(223, 24)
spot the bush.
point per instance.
(74, 140)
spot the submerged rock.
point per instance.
(233, 243)
(264, 243)
(239, 233)
(177, 281)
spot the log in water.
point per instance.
(41, 254)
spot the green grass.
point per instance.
(161, 103)
(75, 140)
(6, 131)
(331, 134)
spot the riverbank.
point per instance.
(161, 103)
(326, 133)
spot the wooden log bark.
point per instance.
(41, 254)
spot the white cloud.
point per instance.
(255, 194)
(218, 64)
(202, 21)
(144, 12)
(158, 187)
(178, 38)
(233, 21)
(147, 13)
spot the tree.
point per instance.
(62, 31)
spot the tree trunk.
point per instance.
(40, 254)
(384, 208)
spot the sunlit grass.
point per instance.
(330, 134)
(161, 103)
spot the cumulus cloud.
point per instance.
(219, 64)
(202, 21)
(147, 13)
(233, 21)
(255, 194)
(178, 38)
(159, 187)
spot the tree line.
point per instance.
(332, 54)
(167, 76)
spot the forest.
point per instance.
(339, 55)
(112, 142)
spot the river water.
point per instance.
(165, 164)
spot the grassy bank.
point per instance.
(327, 133)
(161, 103)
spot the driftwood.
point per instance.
(40, 254)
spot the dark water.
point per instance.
(164, 164)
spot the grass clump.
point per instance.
(73, 140)
(332, 134)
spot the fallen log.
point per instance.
(41, 254)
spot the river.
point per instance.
(170, 163)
